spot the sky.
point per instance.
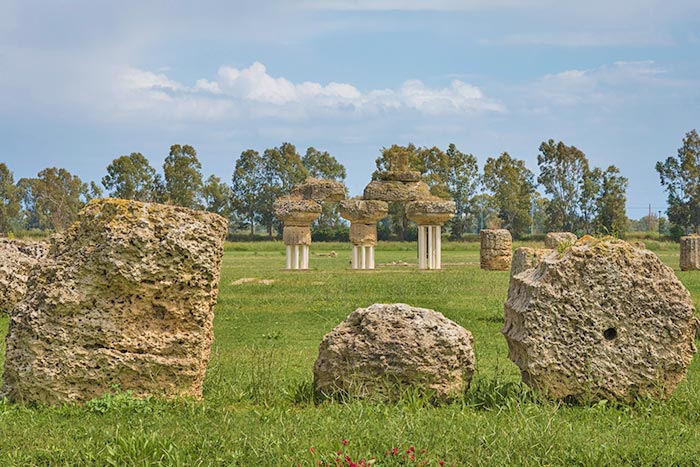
(83, 82)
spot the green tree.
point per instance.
(247, 186)
(680, 176)
(10, 197)
(282, 170)
(461, 180)
(54, 198)
(131, 177)
(591, 187)
(611, 212)
(512, 186)
(217, 196)
(562, 172)
(183, 177)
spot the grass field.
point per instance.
(258, 407)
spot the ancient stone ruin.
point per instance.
(363, 216)
(430, 214)
(297, 215)
(496, 249)
(690, 253)
(553, 239)
(124, 297)
(600, 320)
(16, 260)
(525, 258)
(382, 350)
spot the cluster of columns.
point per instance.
(363, 216)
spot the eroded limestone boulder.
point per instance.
(601, 320)
(395, 190)
(430, 211)
(124, 297)
(381, 350)
(496, 251)
(525, 258)
(16, 260)
(553, 239)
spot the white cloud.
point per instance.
(254, 92)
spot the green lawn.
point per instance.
(258, 407)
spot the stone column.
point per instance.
(297, 215)
(363, 216)
(430, 215)
(690, 253)
(496, 249)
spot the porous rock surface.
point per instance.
(553, 239)
(395, 190)
(690, 253)
(601, 320)
(496, 251)
(124, 297)
(320, 190)
(364, 211)
(381, 350)
(295, 211)
(525, 258)
(16, 260)
(430, 211)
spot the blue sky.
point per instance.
(85, 81)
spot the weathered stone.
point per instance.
(381, 350)
(363, 234)
(124, 297)
(294, 211)
(296, 235)
(363, 211)
(396, 191)
(319, 190)
(690, 253)
(406, 176)
(433, 211)
(16, 260)
(601, 320)
(525, 258)
(496, 249)
(553, 239)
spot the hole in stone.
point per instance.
(610, 334)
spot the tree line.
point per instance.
(574, 196)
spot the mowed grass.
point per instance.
(258, 407)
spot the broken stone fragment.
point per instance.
(496, 249)
(382, 350)
(319, 190)
(363, 211)
(601, 320)
(124, 297)
(525, 258)
(16, 260)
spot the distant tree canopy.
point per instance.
(10, 197)
(680, 177)
(183, 177)
(131, 177)
(52, 199)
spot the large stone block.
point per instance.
(363, 211)
(601, 320)
(525, 258)
(432, 211)
(16, 260)
(381, 350)
(496, 249)
(319, 190)
(124, 297)
(690, 253)
(295, 211)
(387, 190)
(363, 234)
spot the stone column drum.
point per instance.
(297, 215)
(496, 249)
(430, 215)
(690, 253)
(363, 216)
